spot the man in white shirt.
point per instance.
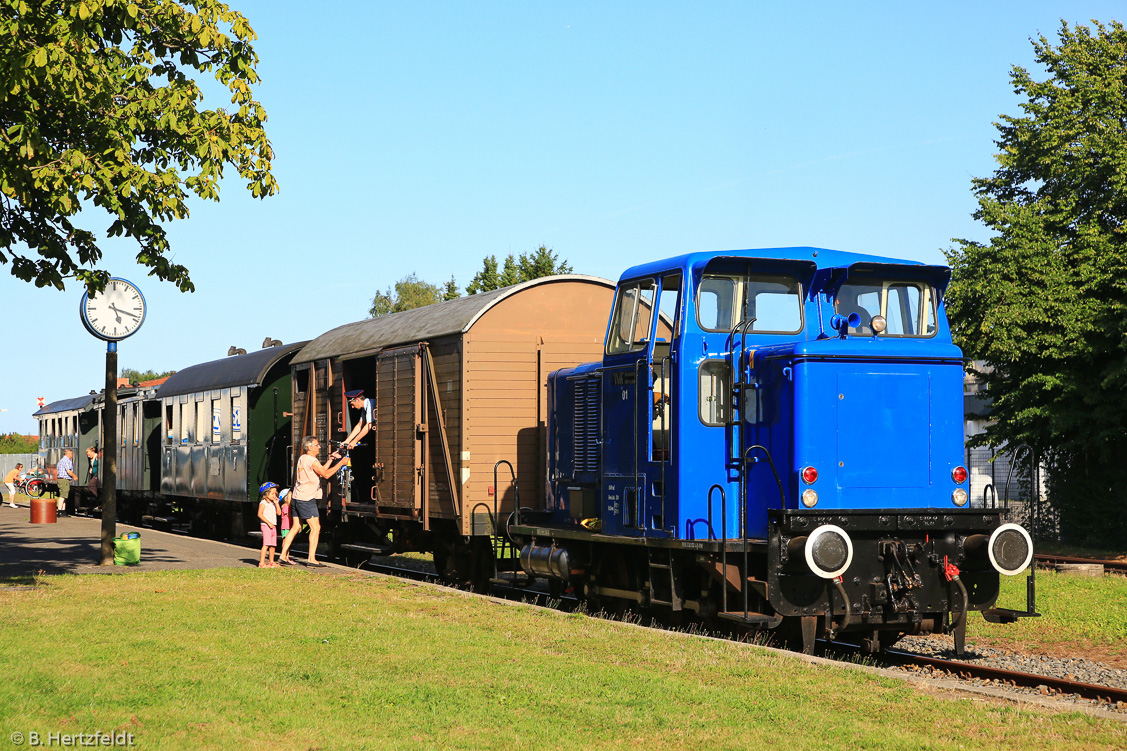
(356, 400)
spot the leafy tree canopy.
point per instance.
(409, 292)
(543, 262)
(14, 443)
(98, 108)
(412, 292)
(138, 376)
(1044, 302)
(450, 290)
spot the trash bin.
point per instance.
(127, 550)
(43, 511)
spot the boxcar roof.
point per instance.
(441, 319)
(236, 370)
(80, 403)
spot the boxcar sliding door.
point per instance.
(400, 433)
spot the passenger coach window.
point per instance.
(236, 422)
(203, 423)
(630, 325)
(908, 307)
(775, 302)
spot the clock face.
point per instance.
(116, 312)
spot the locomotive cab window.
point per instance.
(773, 302)
(908, 307)
(715, 382)
(630, 323)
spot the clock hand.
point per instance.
(122, 312)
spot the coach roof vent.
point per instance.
(244, 370)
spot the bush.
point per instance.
(14, 443)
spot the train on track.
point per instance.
(761, 438)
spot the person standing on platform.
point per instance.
(305, 495)
(268, 511)
(10, 483)
(284, 521)
(64, 471)
(92, 473)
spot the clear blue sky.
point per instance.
(421, 137)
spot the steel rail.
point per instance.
(970, 671)
(1027, 680)
(1045, 559)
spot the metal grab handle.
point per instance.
(492, 528)
(771, 462)
(497, 491)
(723, 542)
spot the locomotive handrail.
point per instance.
(711, 531)
(667, 449)
(639, 503)
(737, 417)
(1010, 471)
(1030, 582)
(993, 496)
(724, 541)
(497, 489)
(771, 462)
(492, 526)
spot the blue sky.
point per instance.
(421, 137)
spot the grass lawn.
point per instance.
(1079, 616)
(265, 659)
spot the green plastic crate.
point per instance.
(126, 552)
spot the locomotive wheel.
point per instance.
(468, 565)
(613, 571)
(441, 558)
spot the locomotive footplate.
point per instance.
(897, 567)
(548, 532)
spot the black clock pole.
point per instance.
(109, 456)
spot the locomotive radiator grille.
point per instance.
(586, 436)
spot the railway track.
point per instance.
(1113, 567)
(1106, 694)
(998, 677)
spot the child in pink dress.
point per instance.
(268, 513)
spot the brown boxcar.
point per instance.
(459, 386)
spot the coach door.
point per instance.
(400, 434)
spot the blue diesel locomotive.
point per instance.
(773, 438)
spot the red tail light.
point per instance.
(959, 475)
(809, 475)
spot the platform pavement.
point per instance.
(73, 546)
